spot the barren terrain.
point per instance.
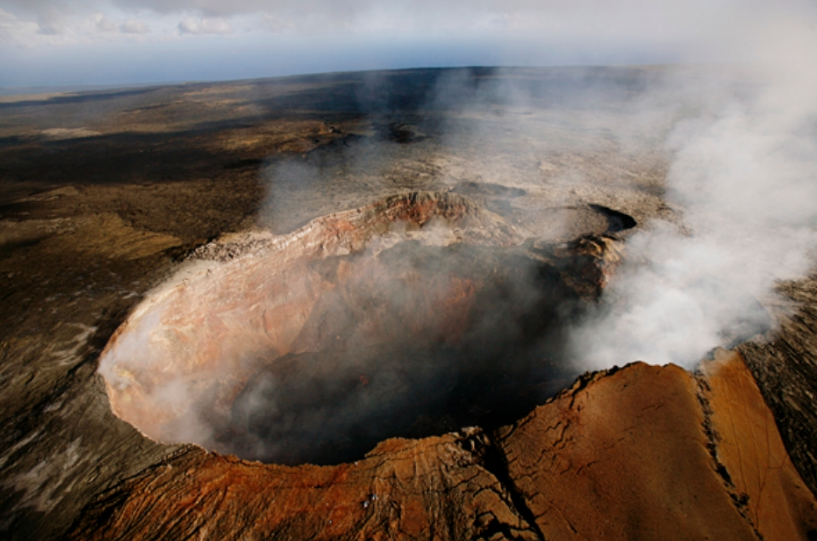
(272, 222)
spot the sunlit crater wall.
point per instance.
(175, 367)
(415, 315)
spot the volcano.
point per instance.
(310, 308)
(412, 316)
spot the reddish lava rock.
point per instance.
(644, 453)
(772, 494)
(641, 452)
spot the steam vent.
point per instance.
(415, 315)
(323, 308)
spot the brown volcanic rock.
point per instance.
(622, 456)
(427, 489)
(773, 494)
(785, 367)
(631, 455)
(643, 452)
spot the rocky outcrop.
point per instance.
(403, 489)
(750, 453)
(650, 453)
(785, 366)
(642, 452)
(349, 231)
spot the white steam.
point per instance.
(745, 176)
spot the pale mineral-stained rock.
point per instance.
(204, 333)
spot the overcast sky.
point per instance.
(73, 42)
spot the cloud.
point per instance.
(222, 8)
(8, 22)
(133, 26)
(103, 24)
(276, 24)
(51, 22)
(375, 34)
(629, 20)
(533, 31)
(51, 29)
(205, 25)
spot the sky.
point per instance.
(112, 42)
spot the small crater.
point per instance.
(617, 221)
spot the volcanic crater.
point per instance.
(413, 316)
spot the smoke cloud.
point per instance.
(744, 176)
(204, 26)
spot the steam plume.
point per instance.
(744, 174)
